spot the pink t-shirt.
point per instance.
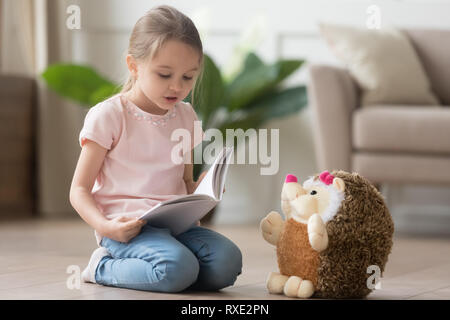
(138, 171)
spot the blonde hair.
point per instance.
(152, 30)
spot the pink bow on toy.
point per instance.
(290, 178)
(326, 177)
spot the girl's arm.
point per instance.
(88, 166)
(188, 177)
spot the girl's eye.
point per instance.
(313, 192)
(166, 76)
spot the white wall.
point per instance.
(290, 32)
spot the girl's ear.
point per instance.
(132, 65)
(339, 184)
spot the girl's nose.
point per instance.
(176, 86)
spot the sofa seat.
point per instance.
(408, 129)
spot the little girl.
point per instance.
(125, 168)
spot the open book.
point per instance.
(180, 213)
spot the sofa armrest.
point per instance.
(333, 95)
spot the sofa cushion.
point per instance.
(433, 49)
(402, 168)
(397, 128)
(383, 63)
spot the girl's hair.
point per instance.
(152, 30)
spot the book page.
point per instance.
(181, 212)
(207, 185)
(222, 172)
(179, 217)
(187, 197)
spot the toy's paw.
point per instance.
(317, 233)
(271, 227)
(275, 282)
(296, 287)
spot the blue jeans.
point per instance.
(154, 260)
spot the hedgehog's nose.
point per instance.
(290, 178)
(291, 189)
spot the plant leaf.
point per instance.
(282, 103)
(208, 95)
(252, 62)
(76, 82)
(276, 105)
(287, 67)
(103, 93)
(257, 81)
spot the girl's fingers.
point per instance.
(132, 232)
(125, 219)
(121, 219)
(134, 223)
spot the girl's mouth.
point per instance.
(171, 99)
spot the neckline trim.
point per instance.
(141, 115)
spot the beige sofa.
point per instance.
(386, 143)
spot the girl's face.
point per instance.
(169, 76)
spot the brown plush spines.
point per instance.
(295, 255)
(359, 235)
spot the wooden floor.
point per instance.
(35, 256)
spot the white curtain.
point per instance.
(23, 36)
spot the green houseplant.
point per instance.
(248, 99)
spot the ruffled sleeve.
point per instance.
(101, 125)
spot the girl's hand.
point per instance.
(123, 229)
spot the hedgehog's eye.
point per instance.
(313, 192)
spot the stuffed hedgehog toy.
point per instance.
(336, 226)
